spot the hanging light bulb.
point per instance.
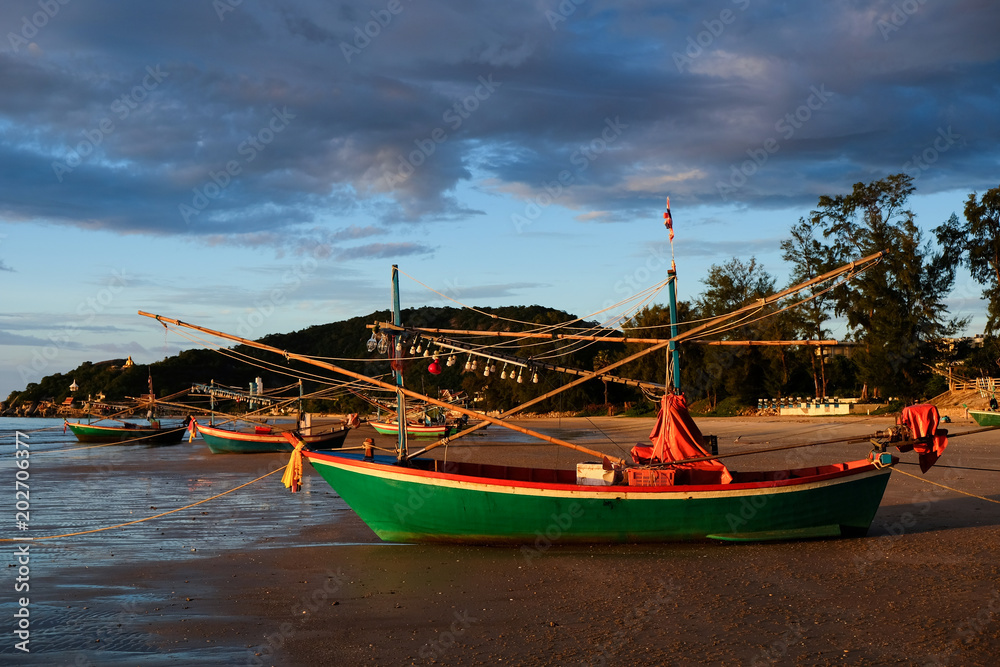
(427, 353)
(372, 342)
(493, 367)
(468, 363)
(383, 344)
(503, 373)
(534, 378)
(419, 346)
(413, 350)
(519, 377)
(473, 364)
(486, 371)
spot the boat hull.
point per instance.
(414, 430)
(409, 505)
(985, 417)
(223, 441)
(94, 433)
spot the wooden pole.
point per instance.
(660, 345)
(400, 400)
(605, 339)
(379, 383)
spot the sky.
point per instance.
(258, 166)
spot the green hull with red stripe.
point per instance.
(127, 434)
(415, 430)
(407, 504)
(223, 441)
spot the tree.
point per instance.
(810, 258)
(976, 244)
(894, 310)
(730, 370)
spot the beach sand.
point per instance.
(264, 577)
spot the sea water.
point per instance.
(70, 487)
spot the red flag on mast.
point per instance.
(668, 221)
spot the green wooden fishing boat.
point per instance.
(430, 501)
(127, 433)
(985, 417)
(415, 430)
(672, 490)
(264, 439)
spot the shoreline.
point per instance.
(227, 582)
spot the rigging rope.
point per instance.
(943, 486)
(148, 518)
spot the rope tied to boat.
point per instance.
(292, 479)
(148, 518)
(944, 486)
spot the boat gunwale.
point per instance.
(119, 429)
(416, 475)
(392, 428)
(239, 436)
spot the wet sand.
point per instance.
(263, 577)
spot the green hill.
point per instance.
(343, 343)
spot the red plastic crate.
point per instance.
(651, 476)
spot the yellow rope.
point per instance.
(964, 493)
(129, 523)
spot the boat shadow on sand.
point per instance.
(935, 514)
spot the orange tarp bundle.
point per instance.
(676, 437)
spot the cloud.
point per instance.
(259, 124)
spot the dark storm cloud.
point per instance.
(179, 118)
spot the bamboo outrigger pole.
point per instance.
(499, 421)
(663, 342)
(378, 383)
(601, 339)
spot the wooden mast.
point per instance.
(379, 383)
(398, 372)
